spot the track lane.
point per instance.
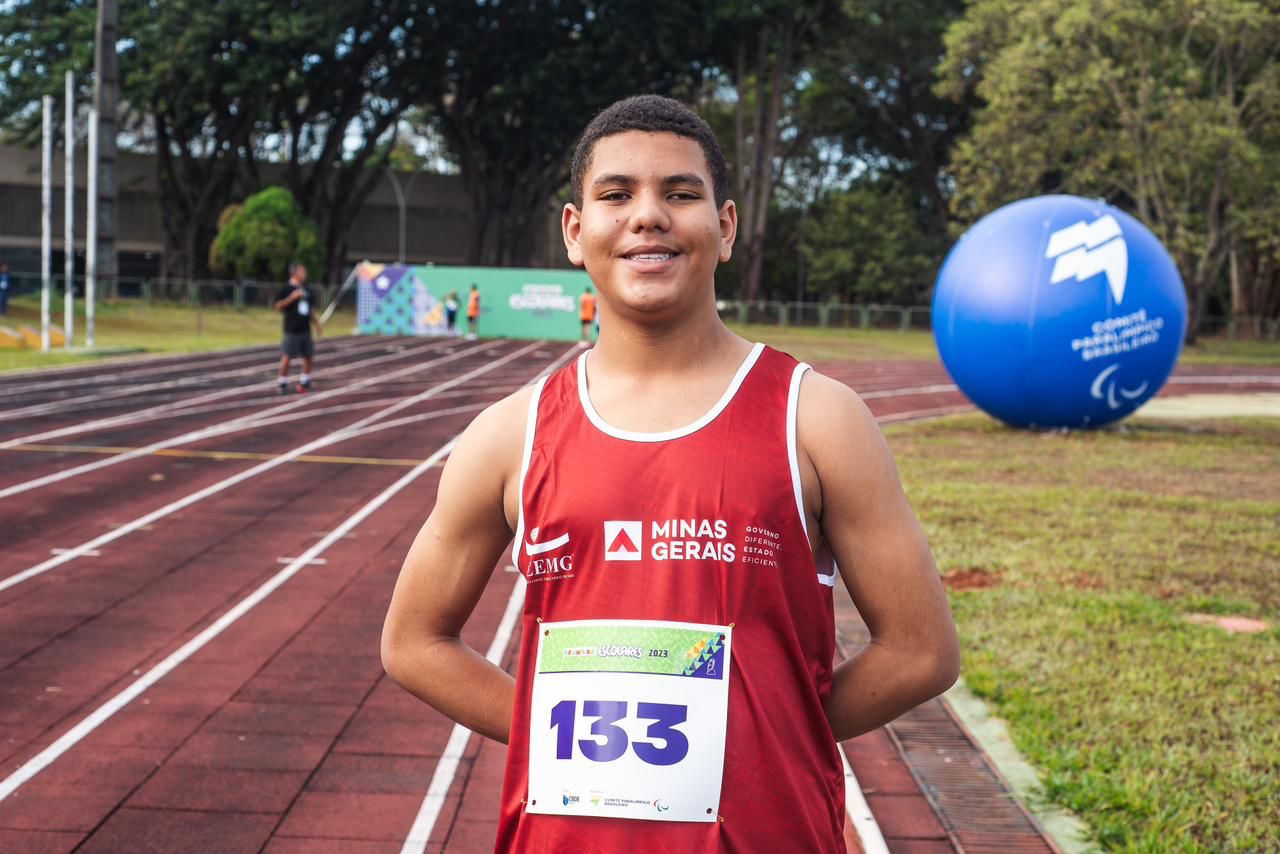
(291, 692)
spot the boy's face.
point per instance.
(649, 232)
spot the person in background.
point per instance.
(451, 314)
(473, 312)
(296, 302)
(586, 314)
(4, 288)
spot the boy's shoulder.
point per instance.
(498, 431)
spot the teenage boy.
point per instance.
(297, 304)
(677, 498)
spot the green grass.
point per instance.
(1160, 734)
(815, 344)
(165, 327)
(154, 328)
(1222, 351)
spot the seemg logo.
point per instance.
(622, 540)
(1085, 249)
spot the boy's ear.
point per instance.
(571, 229)
(728, 229)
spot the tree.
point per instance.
(762, 48)
(258, 239)
(1169, 110)
(352, 73)
(865, 244)
(519, 83)
(207, 86)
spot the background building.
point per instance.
(435, 227)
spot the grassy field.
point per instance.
(167, 328)
(1082, 554)
(156, 328)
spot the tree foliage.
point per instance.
(258, 239)
(1169, 110)
(515, 84)
(866, 244)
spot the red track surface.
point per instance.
(281, 733)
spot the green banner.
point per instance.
(633, 648)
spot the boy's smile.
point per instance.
(649, 231)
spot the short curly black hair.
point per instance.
(651, 114)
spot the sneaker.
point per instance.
(304, 387)
(283, 388)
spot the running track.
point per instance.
(192, 586)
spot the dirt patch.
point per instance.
(1230, 624)
(1087, 582)
(970, 579)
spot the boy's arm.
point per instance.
(446, 571)
(852, 490)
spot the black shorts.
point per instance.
(298, 345)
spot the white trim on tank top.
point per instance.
(823, 560)
(666, 435)
(530, 424)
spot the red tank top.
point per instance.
(729, 484)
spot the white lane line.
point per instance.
(148, 414)
(95, 376)
(177, 408)
(72, 403)
(226, 483)
(1214, 379)
(456, 747)
(905, 392)
(244, 422)
(77, 733)
(922, 413)
(80, 731)
(864, 823)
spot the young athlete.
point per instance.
(677, 497)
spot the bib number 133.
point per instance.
(664, 744)
(627, 719)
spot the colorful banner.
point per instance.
(514, 302)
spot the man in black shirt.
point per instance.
(296, 302)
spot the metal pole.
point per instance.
(46, 222)
(69, 211)
(91, 231)
(106, 98)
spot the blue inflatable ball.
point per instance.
(1058, 311)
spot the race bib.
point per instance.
(628, 719)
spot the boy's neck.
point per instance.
(685, 345)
